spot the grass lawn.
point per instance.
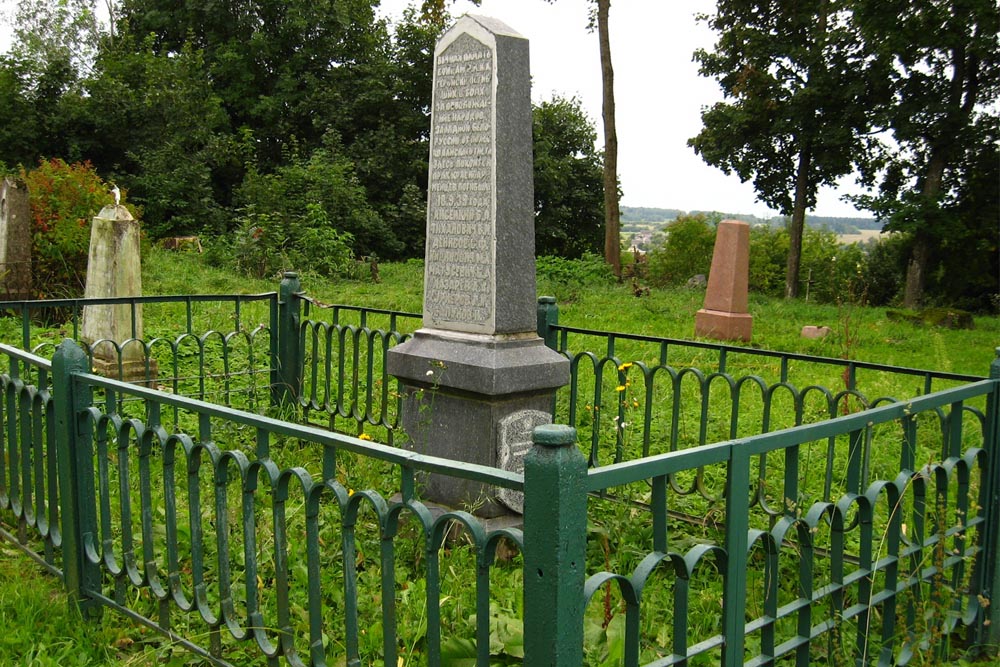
(41, 629)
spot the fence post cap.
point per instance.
(554, 435)
(552, 299)
(290, 274)
(70, 347)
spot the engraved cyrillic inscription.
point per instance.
(516, 432)
(460, 277)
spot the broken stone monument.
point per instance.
(725, 315)
(476, 377)
(15, 241)
(113, 270)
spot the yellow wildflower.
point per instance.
(620, 388)
(364, 436)
(625, 366)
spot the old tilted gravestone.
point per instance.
(113, 270)
(477, 378)
(15, 240)
(725, 315)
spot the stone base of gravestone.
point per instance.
(114, 270)
(15, 241)
(132, 370)
(723, 326)
(725, 315)
(475, 398)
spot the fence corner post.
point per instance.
(289, 358)
(76, 489)
(555, 545)
(990, 635)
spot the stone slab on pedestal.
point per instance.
(725, 315)
(114, 270)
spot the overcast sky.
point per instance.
(658, 92)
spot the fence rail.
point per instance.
(858, 530)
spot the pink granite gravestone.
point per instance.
(725, 315)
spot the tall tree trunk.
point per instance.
(962, 95)
(612, 214)
(916, 271)
(916, 268)
(797, 224)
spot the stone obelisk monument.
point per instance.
(725, 315)
(113, 270)
(477, 378)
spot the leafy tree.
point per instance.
(286, 70)
(937, 180)
(41, 87)
(798, 88)
(390, 155)
(19, 133)
(60, 33)
(568, 181)
(164, 135)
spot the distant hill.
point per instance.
(642, 216)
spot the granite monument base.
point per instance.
(475, 398)
(721, 325)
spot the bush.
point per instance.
(267, 244)
(590, 270)
(768, 259)
(64, 198)
(686, 252)
(324, 179)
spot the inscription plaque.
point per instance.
(514, 441)
(459, 279)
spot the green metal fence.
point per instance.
(215, 347)
(851, 530)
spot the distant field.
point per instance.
(860, 237)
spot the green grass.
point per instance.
(44, 630)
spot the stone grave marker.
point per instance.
(113, 270)
(477, 372)
(725, 315)
(15, 240)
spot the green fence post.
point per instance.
(991, 552)
(548, 317)
(76, 476)
(289, 377)
(735, 587)
(555, 543)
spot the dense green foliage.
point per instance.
(569, 205)
(219, 117)
(64, 198)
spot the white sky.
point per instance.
(658, 92)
